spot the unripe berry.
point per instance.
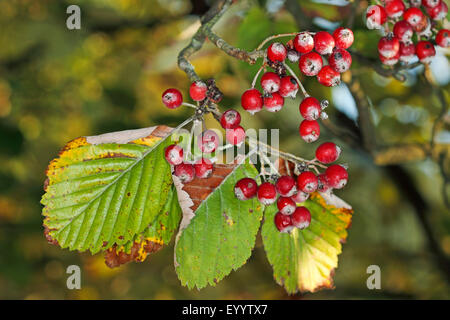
(185, 172)
(301, 218)
(390, 61)
(288, 87)
(310, 63)
(230, 119)
(328, 77)
(430, 3)
(286, 205)
(375, 17)
(267, 194)
(389, 46)
(323, 183)
(425, 51)
(394, 8)
(197, 90)
(327, 152)
(174, 154)
(439, 12)
(443, 38)
(307, 182)
(300, 197)
(245, 189)
(270, 82)
(235, 136)
(310, 108)
(423, 28)
(336, 176)
(343, 38)
(208, 141)
(172, 98)
(252, 101)
(415, 3)
(286, 186)
(303, 42)
(309, 130)
(413, 16)
(323, 42)
(407, 52)
(203, 168)
(340, 60)
(274, 103)
(293, 56)
(276, 52)
(403, 31)
(283, 222)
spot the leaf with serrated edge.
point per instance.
(217, 233)
(304, 260)
(103, 190)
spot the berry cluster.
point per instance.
(410, 28)
(296, 190)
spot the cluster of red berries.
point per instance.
(308, 49)
(292, 191)
(410, 28)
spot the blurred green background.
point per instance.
(57, 84)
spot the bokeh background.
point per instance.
(57, 84)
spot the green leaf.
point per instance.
(220, 235)
(304, 260)
(103, 190)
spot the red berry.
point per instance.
(274, 103)
(328, 77)
(283, 222)
(309, 130)
(407, 52)
(310, 63)
(267, 194)
(439, 12)
(286, 205)
(389, 46)
(423, 28)
(252, 101)
(197, 90)
(415, 3)
(340, 60)
(375, 17)
(174, 154)
(430, 3)
(286, 186)
(235, 136)
(310, 108)
(425, 51)
(208, 141)
(390, 61)
(303, 42)
(323, 42)
(343, 38)
(185, 172)
(307, 182)
(413, 16)
(300, 197)
(276, 52)
(301, 218)
(336, 176)
(403, 31)
(172, 98)
(327, 152)
(270, 82)
(203, 168)
(288, 87)
(230, 119)
(245, 189)
(443, 38)
(394, 8)
(323, 183)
